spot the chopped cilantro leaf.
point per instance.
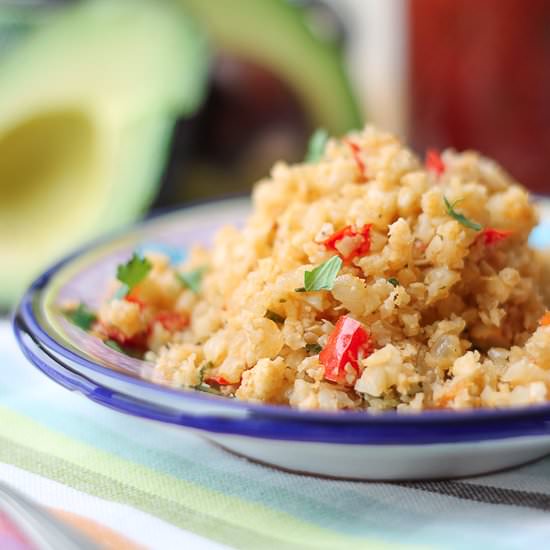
(192, 279)
(275, 317)
(82, 317)
(322, 277)
(393, 281)
(313, 349)
(460, 218)
(316, 145)
(113, 344)
(133, 272)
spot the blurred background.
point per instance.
(112, 108)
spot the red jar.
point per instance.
(479, 77)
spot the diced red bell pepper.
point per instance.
(135, 300)
(492, 236)
(343, 346)
(356, 152)
(348, 231)
(171, 320)
(218, 380)
(434, 162)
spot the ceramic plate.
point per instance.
(359, 445)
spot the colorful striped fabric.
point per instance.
(159, 491)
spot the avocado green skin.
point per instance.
(275, 34)
(88, 104)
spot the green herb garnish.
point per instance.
(460, 218)
(275, 317)
(82, 317)
(393, 281)
(192, 279)
(202, 372)
(313, 349)
(114, 345)
(132, 273)
(322, 277)
(316, 145)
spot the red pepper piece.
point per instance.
(434, 162)
(492, 236)
(138, 341)
(348, 231)
(218, 380)
(356, 152)
(343, 346)
(171, 320)
(135, 300)
(544, 321)
(364, 247)
(331, 241)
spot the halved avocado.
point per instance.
(275, 35)
(277, 75)
(87, 108)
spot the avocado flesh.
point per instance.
(275, 34)
(87, 108)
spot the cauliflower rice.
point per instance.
(450, 316)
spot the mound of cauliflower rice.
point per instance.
(366, 279)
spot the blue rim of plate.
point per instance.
(265, 427)
(278, 422)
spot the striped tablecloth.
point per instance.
(116, 474)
